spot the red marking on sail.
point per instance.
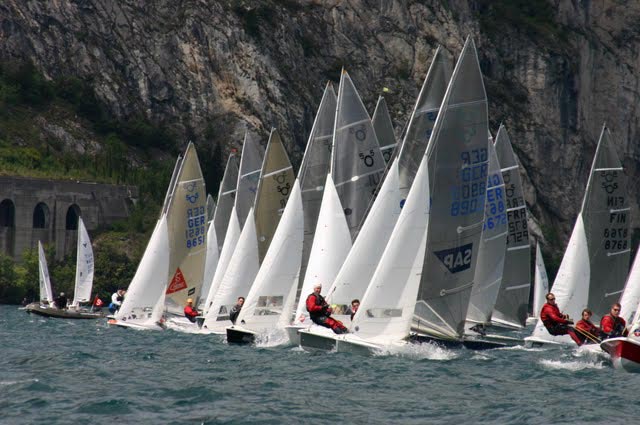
(177, 283)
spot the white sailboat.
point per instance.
(330, 248)
(383, 127)
(226, 200)
(630, 298)
(540, 286)
(143, 305)
(210, 265)
(46, 294)
(511, 308)
(594, 266)
(269, 304)
(84, 267)
(248, 177)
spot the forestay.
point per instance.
(84, 267)
(357, 164)
(387, 306)
(512, 306)
(316, 164)
(186, 223)
(238, 278)
(594, 266)
(458, 161)
(144, 302)
(384, 129)
(357, 270)
(43, 274)
(276, 181)
(226, 199)
(491, 248)
(330, 248)
(269, 303)
(248, 177)
(540, 283)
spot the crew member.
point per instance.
(61, 301)
(556, 322)
(586, 331)
(116, 300)
(612, 324)
(190, 312)
(235, 310)
(320, 311)
(355, 304)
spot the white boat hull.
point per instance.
(624, 352)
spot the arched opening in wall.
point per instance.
(72, 217)
(7, 213)
(41, 216)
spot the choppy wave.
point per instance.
(571, 365)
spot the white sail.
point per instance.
(186, 222)
(357, 270)
(540, 283)
(384, 129)
(248, 177)
(330, 248)
(458, 161)
(276, 181)
(488, 276)
(631, 295)
(357, 165)
(594, 266)
(423, 118)
(46, 294)
(237, 280)
(316, 164)
(228, 248)
(144, 303)
(512, 305)
(269, 303)
(226, 199)
(84, 267)
(386, 310)
(210, 265)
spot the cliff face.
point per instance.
(555, 70)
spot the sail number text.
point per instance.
(468, 197)
(196, 222)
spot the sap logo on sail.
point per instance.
(456, 259)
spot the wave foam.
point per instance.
(423, 351)
(572, 366)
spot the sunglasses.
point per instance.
(551, 299)
(616, 309)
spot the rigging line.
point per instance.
(250, 173)
(512, 288)
(611, 254)
(619, 210)
(277, 171)
(444, 292)
(513, 167)
(461, 229)
(609, 169)
(608, 294)
(352, 124)
(515, 248)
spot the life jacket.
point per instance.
(320, 314)
(618, 326)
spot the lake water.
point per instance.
(56, 371)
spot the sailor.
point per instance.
(116, 300)
(320, 311)
(355, 304)
(235, 310)
(61, 301)
(586, 331)
(190, 312)
(556, 322)
(612, 324)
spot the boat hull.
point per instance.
(624, 352)
(63, 314)
(238, 335)
(314, 341)
(131, 325)
(469, 343)
(292, 333)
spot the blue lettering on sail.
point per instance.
(456, 259)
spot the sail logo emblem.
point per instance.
(177, 283)
(192, 198)
(456, 259)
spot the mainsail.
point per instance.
(211, 262)
(540, 283)
(43, 274)
(248, 177)
(458, 162)
(357, 165)
(276, 181)
(384, 129)
(491, 247)
(186, 223)
(84, 267)
(595, 264)
(512, 306)
(226, 199)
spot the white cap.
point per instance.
(317, 285)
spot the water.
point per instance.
(63, 371)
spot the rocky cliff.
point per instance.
(555, 70)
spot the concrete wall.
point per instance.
(97, 204)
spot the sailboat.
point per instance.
(383, 127)
(226, 200)
(269, 304)
(540, 286)
(83, 282)
(512, 305)
(594, 266)
(212, 258)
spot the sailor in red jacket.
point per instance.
(556, 322)
(612, 324)
(190, 312)
(320, 311)
(586, 330)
